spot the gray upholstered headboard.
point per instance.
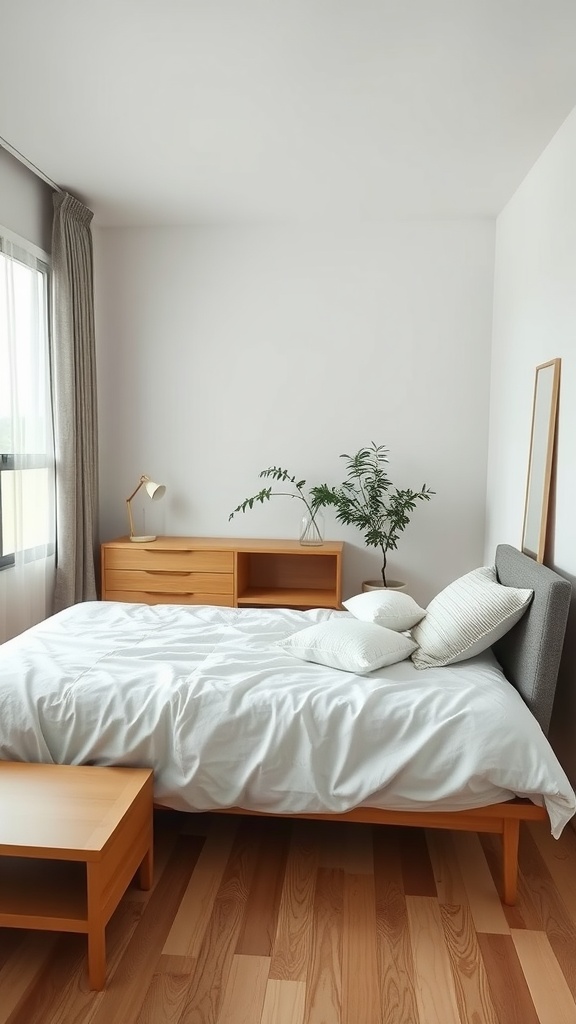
(530, 653)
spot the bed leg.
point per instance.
(510, 839)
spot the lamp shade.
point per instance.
(155, 492)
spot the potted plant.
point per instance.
(311, 530)
(367, 500)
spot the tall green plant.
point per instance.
(367, 500)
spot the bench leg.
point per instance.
(146, 869)
(97, 957)
(95, 879)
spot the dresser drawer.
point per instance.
(149, 581)
(147, 597)
(166, 560)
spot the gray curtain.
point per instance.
(74, 396)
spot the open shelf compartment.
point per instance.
(307, 579)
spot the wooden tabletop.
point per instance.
(64, 811)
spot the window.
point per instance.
(26, 436)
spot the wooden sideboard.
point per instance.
(230, 572)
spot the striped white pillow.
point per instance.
(467, 617)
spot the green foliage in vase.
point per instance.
(367, 500)
(284, 477)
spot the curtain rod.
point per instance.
(28, 163)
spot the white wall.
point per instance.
(222, 351)
(25, 202)
(535, 320)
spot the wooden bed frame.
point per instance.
(501, 819)
(530, 657)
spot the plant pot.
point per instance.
(378, 585)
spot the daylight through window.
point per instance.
(26, 437)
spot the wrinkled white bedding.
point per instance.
(226, 719)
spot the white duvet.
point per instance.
(225, 718)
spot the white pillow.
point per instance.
(348, 644)
(389, 608)
(467, 617)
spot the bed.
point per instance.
(231, 721)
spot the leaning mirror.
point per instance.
(544, 410)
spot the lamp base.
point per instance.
(142, 540)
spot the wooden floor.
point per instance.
(258, 921)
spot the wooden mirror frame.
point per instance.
(544, 412)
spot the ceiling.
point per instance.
(236, 111)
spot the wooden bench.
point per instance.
(71, 840)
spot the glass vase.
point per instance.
(312, 529)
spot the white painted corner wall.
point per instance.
(534, 321)
(224, 350)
